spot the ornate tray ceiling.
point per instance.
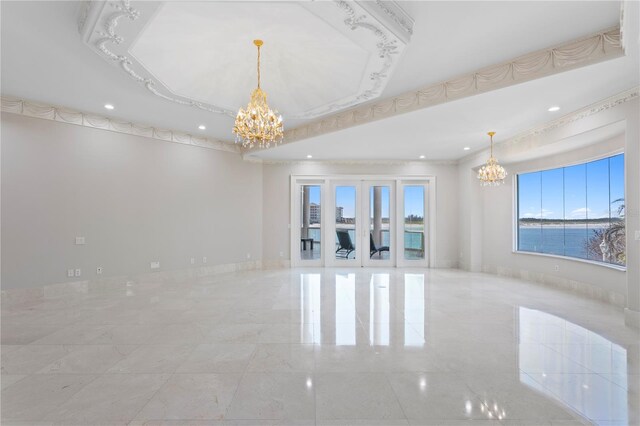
(318, 58)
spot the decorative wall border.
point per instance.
(354, 162)
(595, 108)
(477, 158)
(598, 47)
(69, 116)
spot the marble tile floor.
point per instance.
(320, 347)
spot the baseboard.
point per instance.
(446, 264)
(576, 287)
(276, 263)
(21, 296)
(632, 318)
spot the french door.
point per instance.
(363, 221)
(308, 199)
(379, 233)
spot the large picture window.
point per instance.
(575, 211)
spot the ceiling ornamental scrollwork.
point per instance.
(382, 28)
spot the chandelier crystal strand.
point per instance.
(492, 173)
(258, 124)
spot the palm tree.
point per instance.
(612, 239)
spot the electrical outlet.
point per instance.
(204, 260)
(70, 273)
(193, 261)
(155, 265)
(78, 272)
(281, 254)
(79, 241)
(637, 235)
(99, 270)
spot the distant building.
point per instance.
(314, 213)
(339, 212)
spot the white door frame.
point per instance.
(366, 205)
(295, 225)
(330, 227)
(328, 197)
(429, 225)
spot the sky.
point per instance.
(583, 191)
(346, 198)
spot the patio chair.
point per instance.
(373, 249)
(345, 246)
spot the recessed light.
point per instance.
(467, 148)
(422, 157)
(202, 127)
(309, 156)
(108, 106)
(554, 109)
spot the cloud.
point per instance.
(580, 213)
(538, 215)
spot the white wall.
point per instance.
(276, 209)
(486, 215)
(134, 199)
(498, 226)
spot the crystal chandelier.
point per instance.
(258, 124)
(492, 173)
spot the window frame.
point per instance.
(515, 208)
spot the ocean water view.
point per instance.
(569, 241)
(412, 239)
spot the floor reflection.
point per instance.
(537, 355)
(345, 309)
(310, 289)
(379, 310)
(388, 316)
(574, 366)
(336, 346)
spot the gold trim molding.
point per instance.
(69, 116)
(581, 52)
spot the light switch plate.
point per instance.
(99, 270)
(78, 272)
(70, 273)
(79, 241)
(204, 260)
(637, 235)
(155, 265)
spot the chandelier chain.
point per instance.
(258, 66)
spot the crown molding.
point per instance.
(588, 111)
(581, 52)
(354, 162)
(69, 116)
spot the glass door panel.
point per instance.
(414, 222)
(307, 227)
(344, 227)
(379, 214)
(346, 236)
(310, 222)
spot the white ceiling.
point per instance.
(312, 61)
(44, 59)
(443, 131)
